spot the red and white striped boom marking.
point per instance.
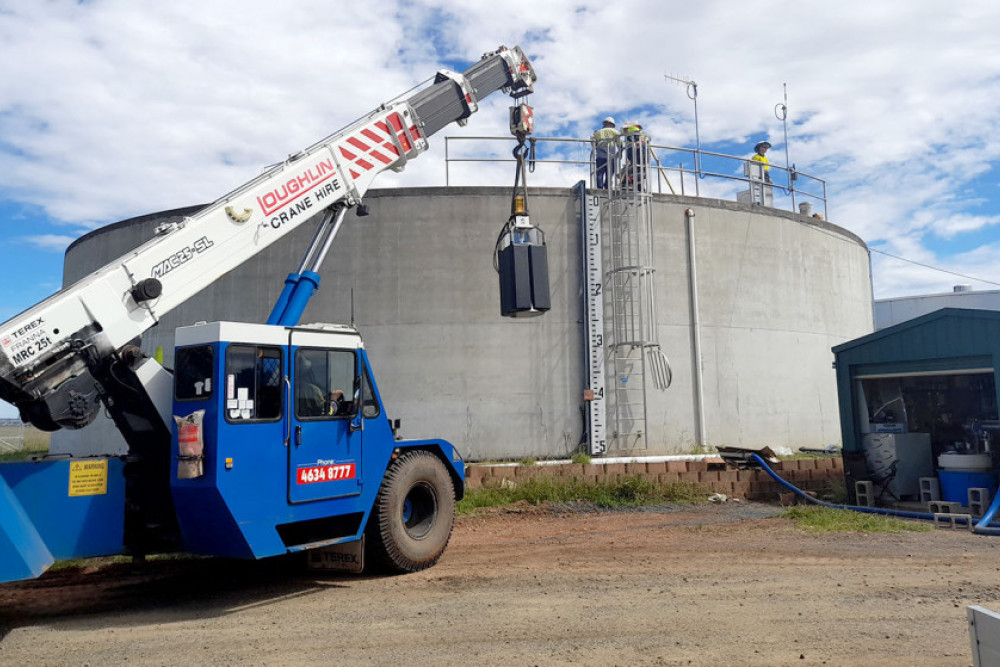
(373, 145)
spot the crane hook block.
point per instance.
(522, 120)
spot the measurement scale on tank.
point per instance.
(594, 279)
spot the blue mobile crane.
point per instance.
(266, 439)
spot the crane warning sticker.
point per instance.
(324, 473)
(88, 478)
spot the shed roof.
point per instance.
(945, 333)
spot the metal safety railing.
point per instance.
(677, 170)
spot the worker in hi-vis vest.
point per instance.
(604, 144)
(635, 156)
(759, 150)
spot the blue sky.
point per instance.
(112, 108)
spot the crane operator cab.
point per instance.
(281, 444)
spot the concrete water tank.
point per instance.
(776, 290)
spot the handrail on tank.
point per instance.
(723, 172)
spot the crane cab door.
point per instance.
(324, 451)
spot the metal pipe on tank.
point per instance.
(701, 439)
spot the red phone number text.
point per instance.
(326, 473)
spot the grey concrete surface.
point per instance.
(777, 290)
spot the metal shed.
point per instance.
(918, 407)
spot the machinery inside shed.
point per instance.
(937, 425)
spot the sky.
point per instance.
(112, 108)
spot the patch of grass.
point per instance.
(527, 461)
(35, 442)
(580, 457)
(628, 492)
(836, 491)
(828, 520)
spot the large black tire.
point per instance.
(414, 513)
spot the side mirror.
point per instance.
(357, 423)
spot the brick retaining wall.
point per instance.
(807, 474)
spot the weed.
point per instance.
(580, 457)
(829, 520)
(627, 492)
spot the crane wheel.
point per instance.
(413, 516)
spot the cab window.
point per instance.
(193, 369)
(324, 383)
(370, 407)
(253, 383)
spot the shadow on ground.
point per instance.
(166, 590)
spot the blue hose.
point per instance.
(981, 528)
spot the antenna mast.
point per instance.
(692, 93)
(781, 112)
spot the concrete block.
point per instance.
(943, 507)
(796, 475)
(635, 469)
(953, 520)
(593, 469)
(865, 493)
(677, 466)
(656, 468)
(668, 477)
(930, 489)
(740, 489)
(697, 466)
(708, 477)
(476, 473)
(614, 468)
(979, 501)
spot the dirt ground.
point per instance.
(731, 584)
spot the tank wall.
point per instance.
(776, 292)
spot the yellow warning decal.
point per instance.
(88, 478)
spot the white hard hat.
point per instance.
(609, 119)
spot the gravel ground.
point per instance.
(732, 584)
